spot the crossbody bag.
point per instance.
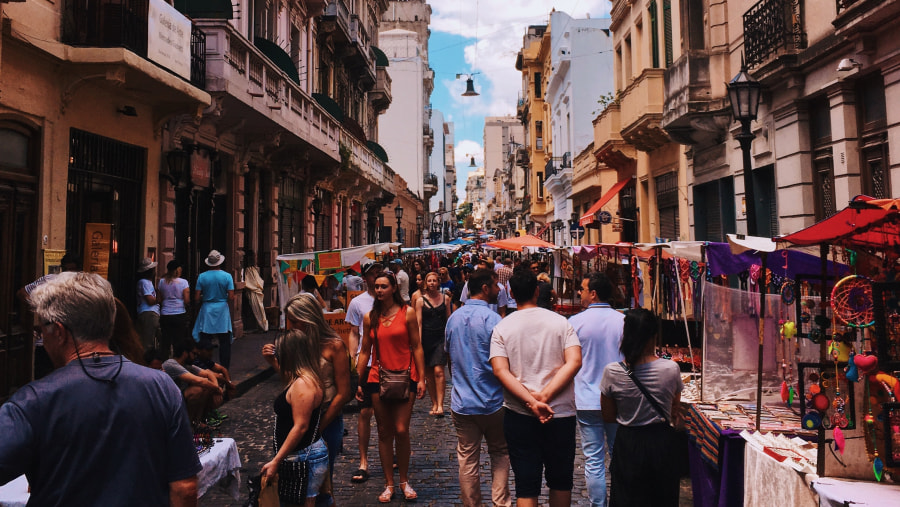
(393, 385)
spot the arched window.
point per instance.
(17, 149)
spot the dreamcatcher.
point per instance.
(852, 302)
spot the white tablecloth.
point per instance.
(768, 482)
(221, 463)
(14, 493)
(839, 492)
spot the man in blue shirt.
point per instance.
(599, 329)
(476, 401)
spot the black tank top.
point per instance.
(284, 421)
(434, 318)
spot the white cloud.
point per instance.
(499, 29)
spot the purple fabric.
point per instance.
(723, 262)
(723, 487)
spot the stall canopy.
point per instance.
(460, 241)
(866, 222)
(517, 244)
(589, 216)
(294, 267)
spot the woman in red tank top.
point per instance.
(393, 328)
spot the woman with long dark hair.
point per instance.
(645, 441)
(304, 313)
(393, 330)
(433, 310)
(298, 414)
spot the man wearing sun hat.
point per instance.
(215, 291)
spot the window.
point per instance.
(693, 13)
(667, 205)
(540, 182)
(654, 33)
(628, 212)
(539, 135)
(537, 85)
(290, 216)
(667, 30)
(873, 141)
(823, 162)
(714, 210)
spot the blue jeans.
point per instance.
(317, 465)
(333, 435)
(594, 434)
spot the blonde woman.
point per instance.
(432, 311)
(298, 415)
(304, 313)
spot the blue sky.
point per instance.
(497, 26)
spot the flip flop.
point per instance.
(361, 475)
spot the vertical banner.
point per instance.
(53, 261)
(96, 248)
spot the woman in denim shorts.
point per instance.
(301, 457)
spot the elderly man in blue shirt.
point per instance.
(476, 401)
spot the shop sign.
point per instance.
(199, 169)
(53, 261)
(169, 38)
(97, 239)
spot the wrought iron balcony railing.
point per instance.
(770, 26)
(123, 25)
(555, 165)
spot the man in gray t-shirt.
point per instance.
(200, 387)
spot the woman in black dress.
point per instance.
(433, 310)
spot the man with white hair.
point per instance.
(99, 430)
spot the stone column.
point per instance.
(845, 142)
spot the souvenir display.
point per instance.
(827, 397)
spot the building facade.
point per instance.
(253, 132)
(501, 135)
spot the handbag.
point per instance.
(292, 475)
(393, 385)
(679, 436)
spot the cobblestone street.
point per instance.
(433, 469)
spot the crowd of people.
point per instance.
(524, 380)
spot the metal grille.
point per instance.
(290, 216)
(667, 203)
(198, 57)
(771, 25)
(824, 184)
(120, 23)
(667, 30)
(104, 186)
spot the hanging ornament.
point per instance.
(851, 369)
(839, 440)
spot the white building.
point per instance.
(475, 194)
(581, 60)
(500, 132)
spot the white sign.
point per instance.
(169, 38)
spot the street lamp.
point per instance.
(419, 227)
(398, 212)
(744, 91)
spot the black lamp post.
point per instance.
(743, 91)
(317, 208)
(398, 212)
(419, 228)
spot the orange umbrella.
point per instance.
(517, 244)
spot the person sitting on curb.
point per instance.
(200, 388)
(203, 359)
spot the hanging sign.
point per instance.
(605, 217)
(97, 239)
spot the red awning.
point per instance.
(516, 244)
(589, 216)
(866, 222)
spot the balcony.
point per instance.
(124, 25)
(641, 111)
(610, 148)
(430, 185)
(862, 16)
(336, 21)
(267, 100)
(772, 31)
(380, 94)
(556, 165)
(522, 108)
(691, 115)
(360, 57)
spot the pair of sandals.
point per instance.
(408, 492)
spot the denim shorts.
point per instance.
(317, 465)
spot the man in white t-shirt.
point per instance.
(356, 313)
(535, 354)
(402, 279)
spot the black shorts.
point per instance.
(536, 448)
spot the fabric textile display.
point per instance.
(253, 285)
